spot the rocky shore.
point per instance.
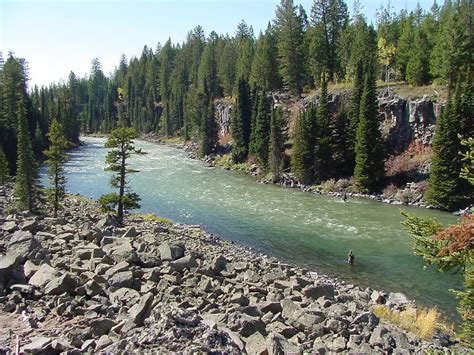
(80, 283)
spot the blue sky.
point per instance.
(56, 37)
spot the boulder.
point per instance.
(170, 252)
(9, 226)
(255, 344)
(108, 221)
(7, 264)
(21, 244)
(38, 345)
(43, 276)
(131, 232)
(127, 296)
(121, 279)
(377, 297)
(29, 268)
(30, 225)
(279, 345)
(141, 311)
(60, 285)
(315, 292)
(101, 326)
(186, 262)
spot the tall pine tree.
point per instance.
(369, 165)
(56, 158)
(304, 143)
(26, 187)
(240, 124)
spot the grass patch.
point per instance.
(150, 218)
(421, 322)
(173, 140)
(225, 161)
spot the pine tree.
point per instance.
(209, 131)
(324, 164)
(4, 169)
(264, 73)
(277, 143)
(417, 70)
(445, 184)
(405, 43)
(121, 146)
(369, 168)
(240, 125)
(304, 143)
(26, 189)
(56, 158)
(354, 113)
(290, 29)
(262, 130)
(329, 18)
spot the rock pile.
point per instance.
(81, 283)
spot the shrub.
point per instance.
(150, 217)
(422, 322)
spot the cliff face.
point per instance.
(403, 120)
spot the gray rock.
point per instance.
(86, 252)
(126, 296)
(315, 292)
(101, 326)
(9, 226)
(377, 297)
(274, 307)
(255, 344)
(37, 345)
(23, 289)
(21, 244)
(103, 342)
(186, 262)
(121, 266)
(170, 252)
(121, 279)
(44, 275)
(30, 226)
(29, 268)
(131, 232)
(7, 264)
(290, 309)
(93, 288)
(279, 345)
(141, 311)
(60, 285)
(338, 344)
(108, 221)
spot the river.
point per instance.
(309, 230)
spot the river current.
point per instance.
(308, 230)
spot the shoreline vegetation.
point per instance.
(155, 285)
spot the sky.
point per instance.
(56, 36)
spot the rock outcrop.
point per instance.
(403, 120)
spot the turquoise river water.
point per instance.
(308, 230)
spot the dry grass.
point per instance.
(225, 161)
(415, 157)
(172, 140)
(421, 322)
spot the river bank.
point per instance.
(81, 283)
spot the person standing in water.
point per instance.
(350, 258)
(344, 197)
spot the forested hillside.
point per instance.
(170, 90)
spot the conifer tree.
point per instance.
(304, 142)
(240, 124)
(369, 166)
(290, 26)
(121, 146)
(418, 65)
(262, 130)
(56, 158)
(209, 130)
(323, 156)
(264, 73)
(26, 189)
(277, 142)
(354, 113)
(4, 170)
(445, 184)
